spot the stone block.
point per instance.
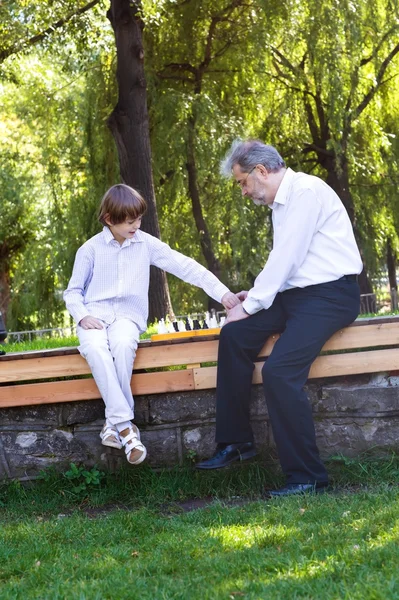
(82, 412)
(30, 451)
(352, 437)
(258, 405)
(261, 435)
(162, 446)
(363, 401)
(141, 410)
(181, 407)
(199, 439)
(50, 414)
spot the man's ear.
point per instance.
(262, 171)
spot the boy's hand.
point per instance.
(230, 300)
(90, 322)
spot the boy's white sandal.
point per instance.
(134, 448)
(110, 437)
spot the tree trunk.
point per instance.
(212, 262)
(391, 265)
(129, 125)
(4, 293)
(338, 179)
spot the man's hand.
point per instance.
(230, 300)
(90, 322)
(236, 314)
(242, 295)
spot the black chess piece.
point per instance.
(187, 324)
(176, 326)
(196, 324)
(204, 325)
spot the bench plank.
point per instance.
(383, 334)
(86, 389)
(333, 365)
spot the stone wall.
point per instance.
(352, 415)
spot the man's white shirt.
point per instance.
(313, 240)
(110, 281)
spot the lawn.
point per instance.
(131, 536)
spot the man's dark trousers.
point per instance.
(306, 318)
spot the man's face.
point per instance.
(255, 184)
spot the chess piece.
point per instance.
(196, 324)
(187, 323)
(213, 322)
(176, 326)
(162, 327)
(180, 326)
(222, 320)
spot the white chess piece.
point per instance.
(162, 326)
(180, 326)
(213, 322)
(222, 320)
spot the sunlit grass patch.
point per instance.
(332, 546)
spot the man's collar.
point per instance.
(284, 187)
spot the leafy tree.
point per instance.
(329, 64)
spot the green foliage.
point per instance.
(295, 73)
(82, 479)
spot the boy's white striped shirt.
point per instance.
(110, 281)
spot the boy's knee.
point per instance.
(92, 347)
(123, 345)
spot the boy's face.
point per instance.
(125, 230)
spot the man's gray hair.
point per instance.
(249, 153)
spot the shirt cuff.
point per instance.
(219, 291)
(251, 305)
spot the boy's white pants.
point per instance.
(110, 354)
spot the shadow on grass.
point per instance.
(184, 486)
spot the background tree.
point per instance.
(130, 127)
(332, 61)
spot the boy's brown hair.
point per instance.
(119, 203)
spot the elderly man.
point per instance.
(306, 291)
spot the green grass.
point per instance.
(55, 544)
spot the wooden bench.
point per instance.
(367, 346)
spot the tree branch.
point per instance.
(39, 37)
(364, 61)
(379, 80)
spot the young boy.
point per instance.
(108, 298)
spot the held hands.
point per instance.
(242, 295)
(236, 314)
(233, 304)
(230, 300)
(90, 322)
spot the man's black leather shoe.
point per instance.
(298, 489)
(228, 455)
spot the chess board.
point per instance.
(159, 337)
